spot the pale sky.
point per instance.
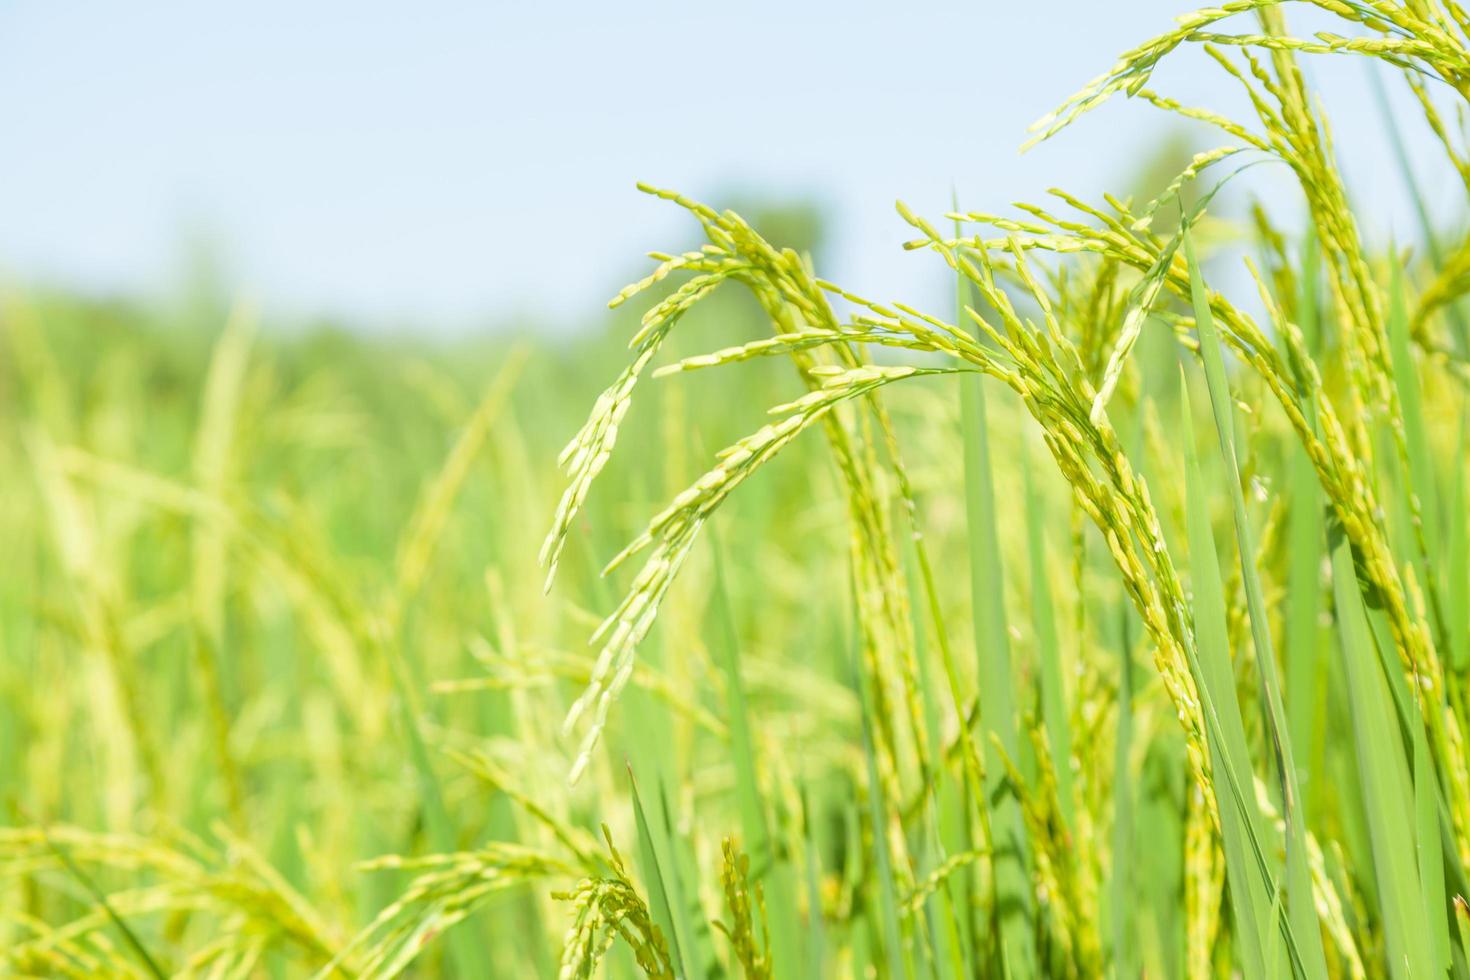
(443, 164)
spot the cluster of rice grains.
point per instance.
(1346, 373)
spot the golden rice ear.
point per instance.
(747, 931)
(607, 908)
(671, 535)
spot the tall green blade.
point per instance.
(1430, 854)
(1424, 495)
(1240, 819)
(944, 936)
(666, 908)
(747, 792)
(1457, 558)
(882, 859)
(1120, 887)
(1129, 922)
(1048, 650)
(1301, 911)
(1386, 787)
(696, 935)
(1304, 705)
(816, 939)
(997, 699)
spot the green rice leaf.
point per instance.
(1301, 909)
(1383, 773)
(1304, 578)
(667, 911)
(893, 949)
(1053, 680)
(1240, 819)
(816, 944)
(997, 699)
(1423, 494)
(1457, 556)
(1430, 854)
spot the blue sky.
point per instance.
(441, 164)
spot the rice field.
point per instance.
(1095, 622)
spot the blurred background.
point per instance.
(473, 164)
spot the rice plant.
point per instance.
(1100, 623)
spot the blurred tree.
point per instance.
(796, 222)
